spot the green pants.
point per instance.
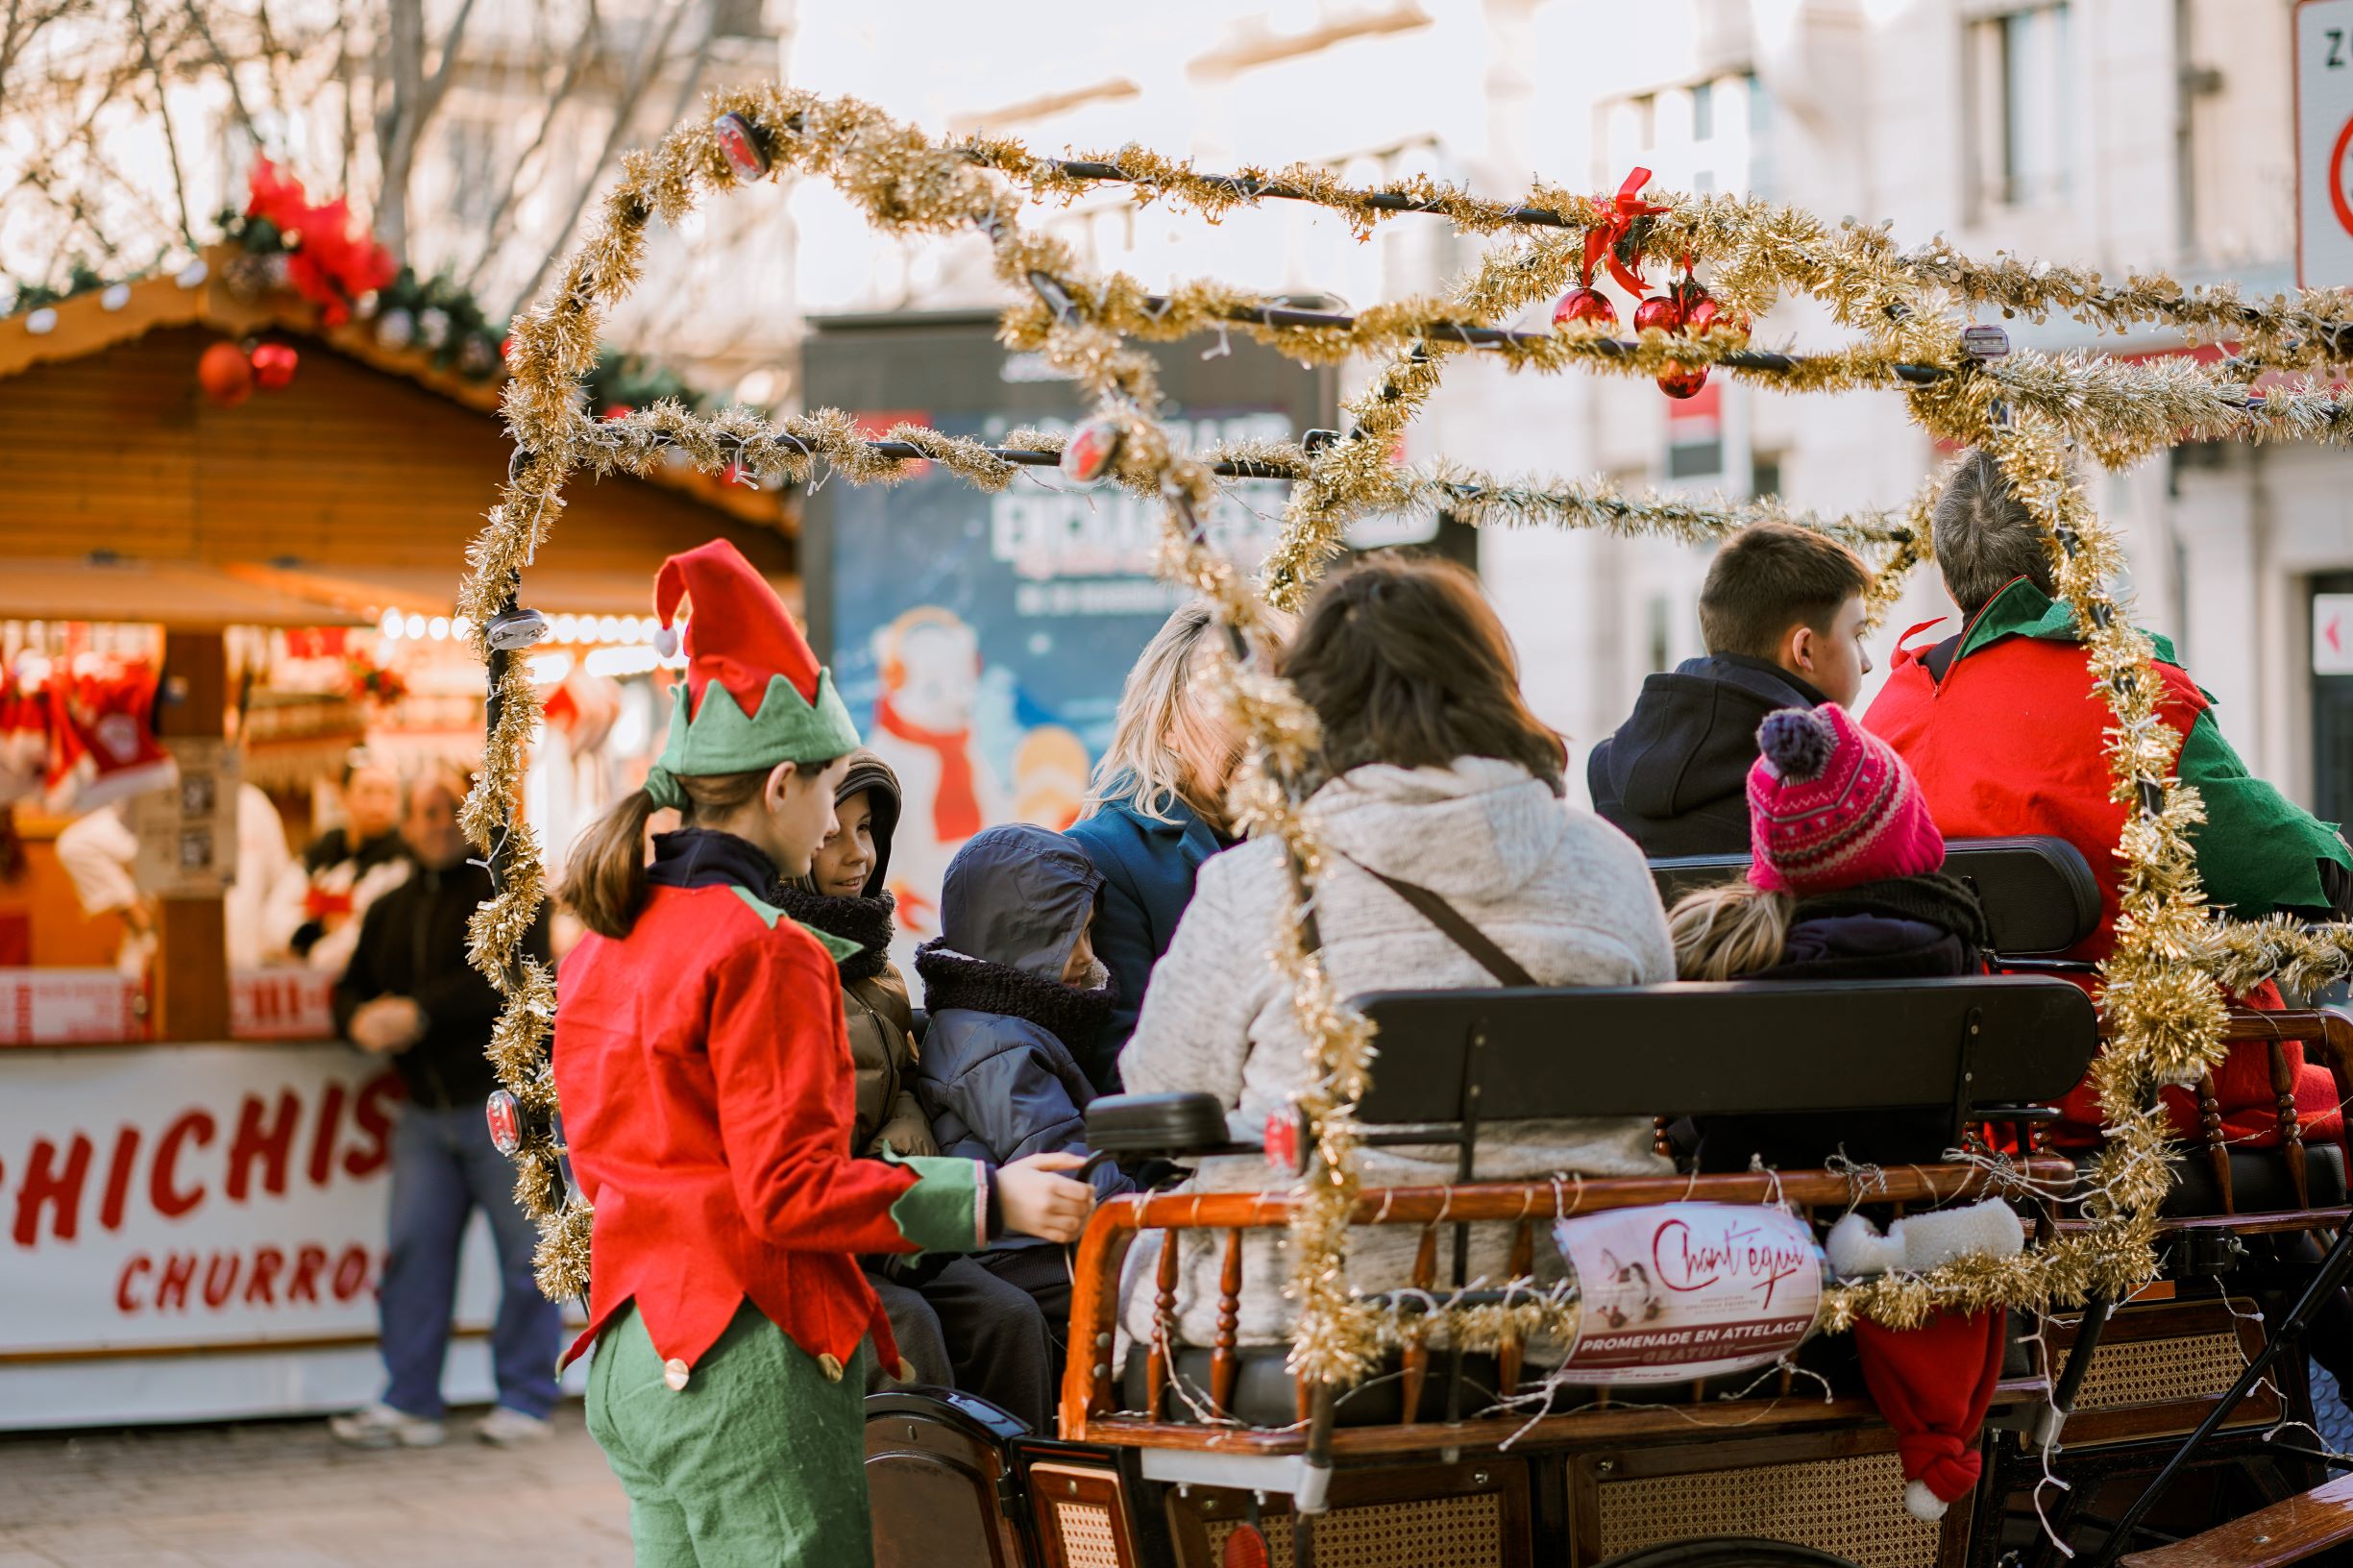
(758, 1462)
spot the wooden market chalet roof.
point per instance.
(353, 490)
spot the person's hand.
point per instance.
(387, 1024)
(1037, 1202)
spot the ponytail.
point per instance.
(1724, 933)
(605, 883)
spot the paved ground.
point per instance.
(283, 1494)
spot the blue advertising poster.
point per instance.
(981, 641)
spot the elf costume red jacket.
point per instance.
(707, 1090)
(700, 1059)
(2006, 733)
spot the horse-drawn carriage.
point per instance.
(1176, 1456)
(2156, 1419)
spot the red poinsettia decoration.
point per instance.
(375, 682)
(329, 261)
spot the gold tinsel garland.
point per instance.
(2164, 1011)
(1850, 263)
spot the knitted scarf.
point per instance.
(1934, 899)
(953, 979)
(865, 922)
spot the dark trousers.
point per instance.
(444, 1167)
(965, 1328)
(1043, 1273)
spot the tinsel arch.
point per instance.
(1906, 311)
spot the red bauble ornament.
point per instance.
(1705, 314)
(274, 365)
(225, 374)
(1680, 381)
(1660, 311)
(617, 411)
(1092, 449)
(1582, 306)
(740, 139)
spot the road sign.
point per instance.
(2332, 634)
(2324, 144)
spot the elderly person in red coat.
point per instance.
(2005, 727)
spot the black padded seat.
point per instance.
(2259, 1182)
(1265, 1394)
(2040, 895)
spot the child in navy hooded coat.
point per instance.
(1016, 994)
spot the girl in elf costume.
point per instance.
(707, 1090)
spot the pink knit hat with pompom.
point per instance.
(1831, 805)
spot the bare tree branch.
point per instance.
(163, 108)
(494, 228)
(229, 72)
(399, 130)
(624, 111)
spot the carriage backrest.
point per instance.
(2039, 893)
(1755, 1046)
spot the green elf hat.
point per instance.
(755, 694)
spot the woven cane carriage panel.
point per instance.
(1851, 1507)
(1433, 1533)
(2160, 1371)
(1088, 1539)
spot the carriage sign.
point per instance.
(2324, 144)
(1685, 1290)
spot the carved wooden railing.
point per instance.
(1089, 1408)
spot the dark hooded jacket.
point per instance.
(998, 1075)
(1148, 865)
(1906, 928)
(1675, 777)
(875, 1003)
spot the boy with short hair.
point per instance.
(1782, 615)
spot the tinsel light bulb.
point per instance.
(740, 139)
(1094, 448)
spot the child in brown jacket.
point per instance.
(958, 1325)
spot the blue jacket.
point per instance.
(998, 1079)
(1147, 870)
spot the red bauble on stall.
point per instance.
(1585, 307)
(225, 374)
(274, 365)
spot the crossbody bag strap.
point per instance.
(1452, 925)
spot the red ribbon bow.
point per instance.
(1601, 240)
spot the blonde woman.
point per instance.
(1155, 813)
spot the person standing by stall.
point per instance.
(705, 1074)
(320, 902)
(411, 994)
